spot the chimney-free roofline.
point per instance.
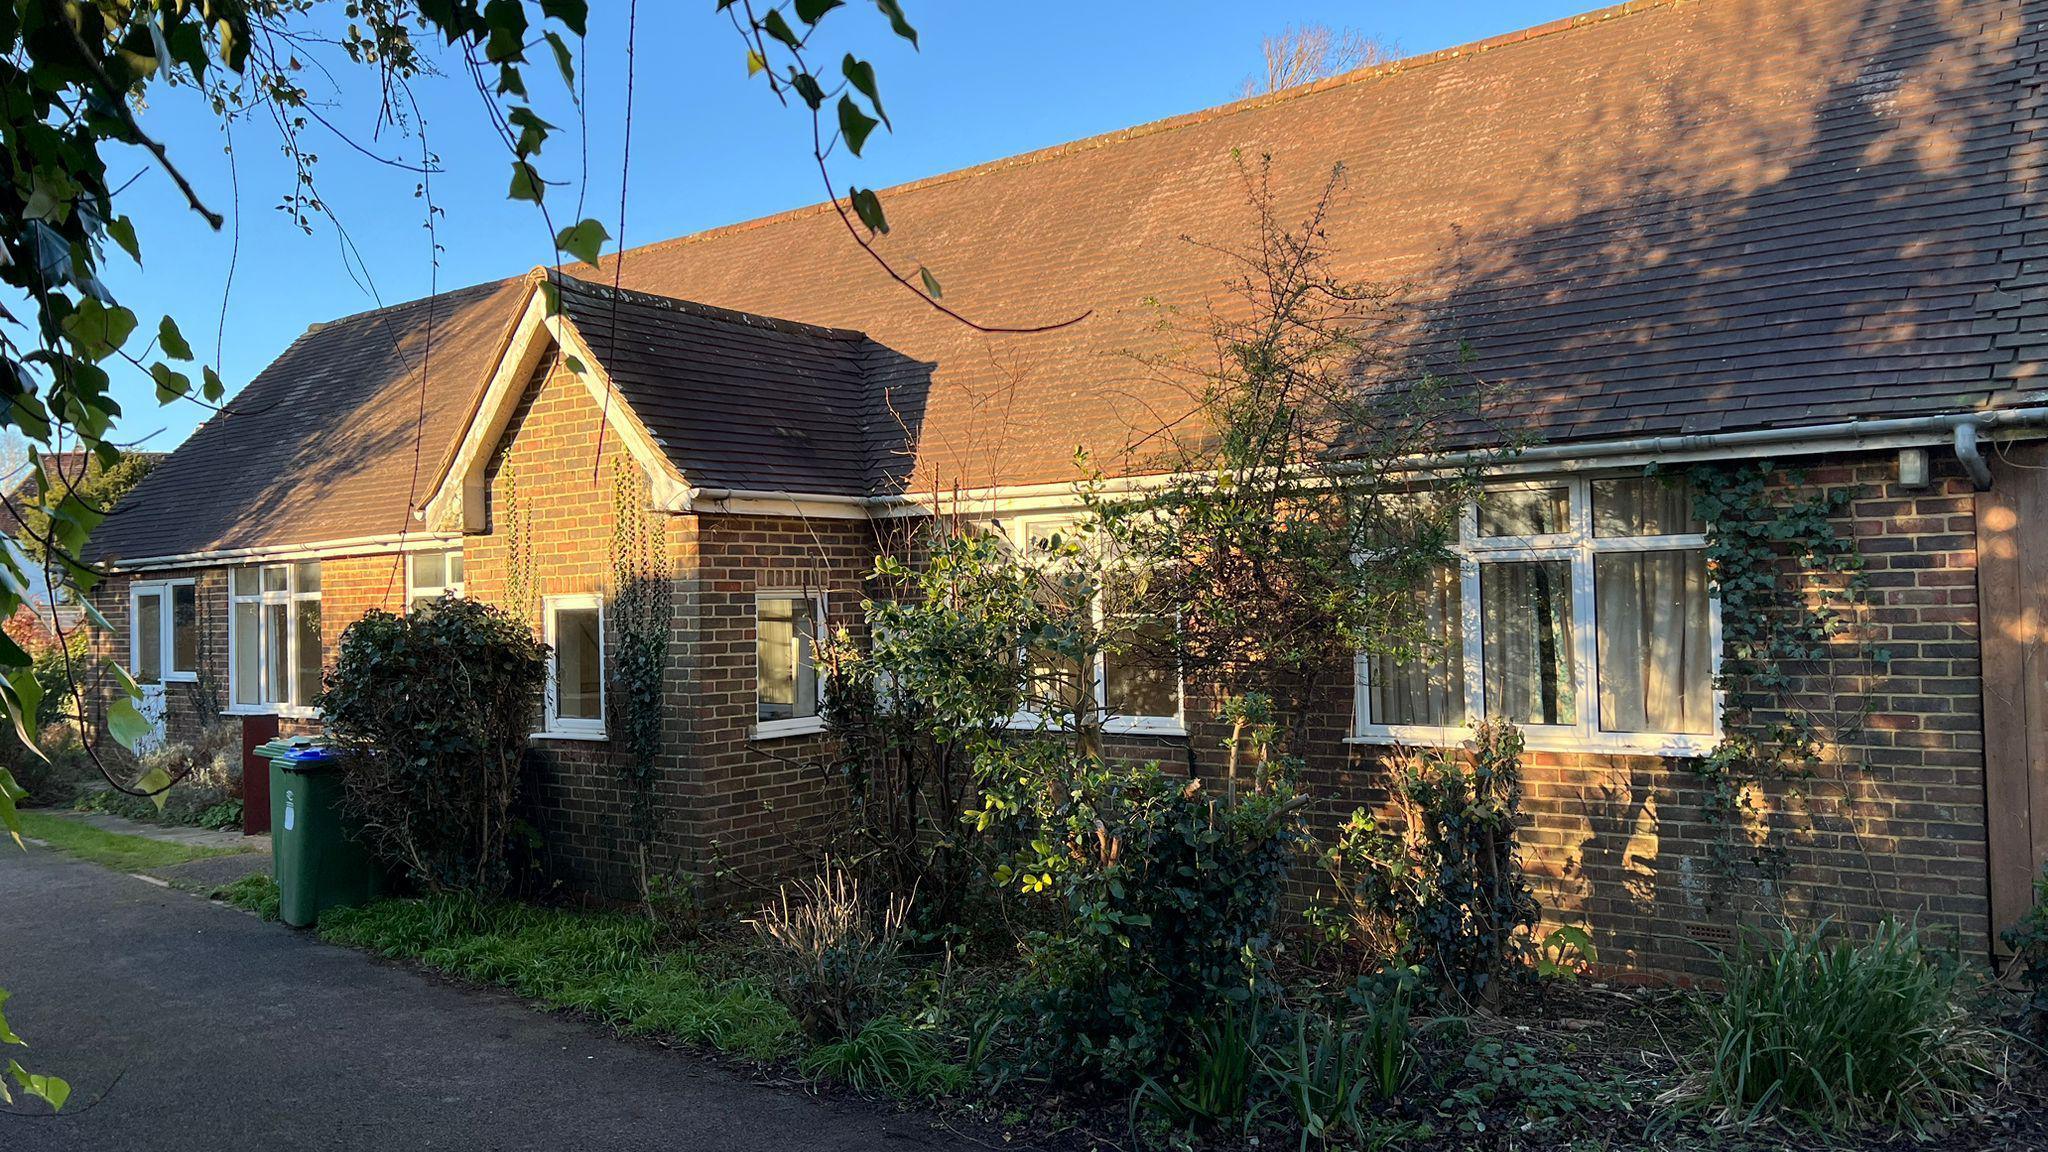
(1959, 429)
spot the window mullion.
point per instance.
(1586, 656)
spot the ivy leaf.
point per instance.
(774, 25)
(854, 124)
(755, 64)
(868, 207)
(209, 383)
(173, 341)
(812, 11)
(897, 24)
(574, 14)
(157, 783)
(861, 75)
(563, 60)
(583, 240)
(526, 182)
(807, 87)
(11, 794)
(122, 229)
(23, 695)
(931, 282)
(50, 1089)
(551, 298)
(127, 725)
(97, 330)
(171, 384)
(533, 131)
(7, 1034)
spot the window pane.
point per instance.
(1057, 686)
(1524, 512)
(307, 686)
(248, 653)
(149, 637)
(307, 575)
(1525, 610)
(1656, 669)
(1639, 506)
(578, 665)
(1139, 678)
(245, 582)
(429, 570)
(785, 663)
(276, 652)
(276, 578)
(454, 574)
(184, 628)
(1429, 688)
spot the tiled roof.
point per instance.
(1690, 216)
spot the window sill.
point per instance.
(586, 736)
(1537, 740)
(282, 711)
(784, 729)
(1165, 726)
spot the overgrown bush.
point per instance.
(829, 957)
(433, 709)
(1166, 899)
(1817, 1028)
(2028, 940)
(1444, 892)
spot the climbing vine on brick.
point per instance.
(639, 624)
(1793, 586)
(522, 577)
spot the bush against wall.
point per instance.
(1444, 891)
(433, 709)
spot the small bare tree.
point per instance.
(1311, 52)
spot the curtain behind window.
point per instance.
(1656, 667)
(1428, 688)
(1525, 609)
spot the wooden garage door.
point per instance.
(2012, 584)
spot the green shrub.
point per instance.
(829, 957)
(433, 708)
(1833, 1032)
(1164, 896)
(887, 1055)
(2028, 940)
(1445, 892)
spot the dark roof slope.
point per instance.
(735, 400)
(322, 444)
(1665, 217)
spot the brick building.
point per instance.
(1662, 233)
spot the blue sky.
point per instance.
(709, 147)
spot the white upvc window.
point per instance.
(163, 632)
(1580, 609)
(274, 654)
(789, 693)
(1133, 691)
(430, 574)
(574, 704)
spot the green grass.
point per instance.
(115, 850)
(257, 893)
(606, 964)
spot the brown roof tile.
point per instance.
(1671, 217)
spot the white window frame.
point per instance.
(167, 632)
(415, 590)
(554, 726)
(1578, 545)
(794, 725)
(289, 596)
(1019, 530)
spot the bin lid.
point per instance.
(298, 752)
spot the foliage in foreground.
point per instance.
(433, 709)
(115, 850)
(2028, 940)
(609, 965)
(1819, 1029)
(887, 1056)
(255, 893)
(829, 955)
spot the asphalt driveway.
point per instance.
(183, 1024)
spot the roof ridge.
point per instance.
(699, 308)
(1406, 64)
(447, 294)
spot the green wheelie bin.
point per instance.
(318, 861)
